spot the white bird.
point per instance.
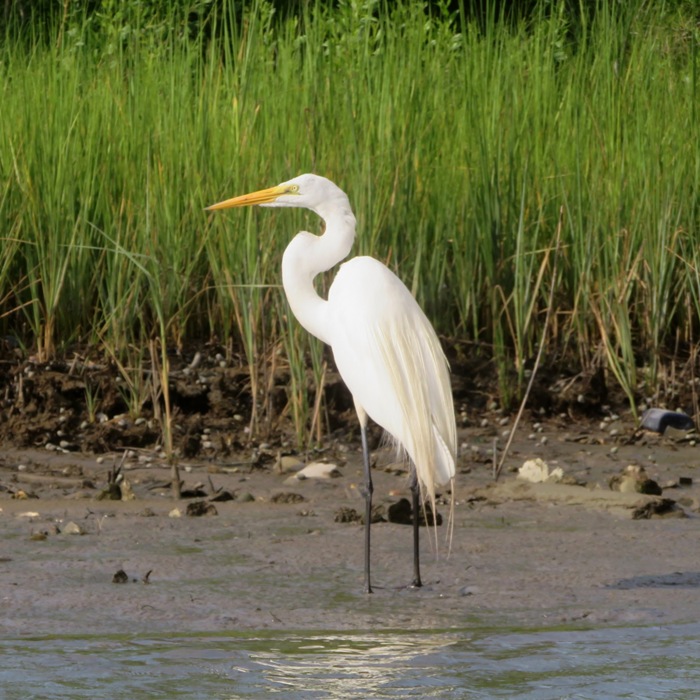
(385, 348)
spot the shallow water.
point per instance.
(629, 662)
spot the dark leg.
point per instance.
(368, 504)
(415, 493)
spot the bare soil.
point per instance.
(280, 553)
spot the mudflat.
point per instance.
(280, 554)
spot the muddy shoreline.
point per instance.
(522, 554)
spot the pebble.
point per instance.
(286, 463)
(320, 470)
(537, 470)
(71, 528)
(468, 590)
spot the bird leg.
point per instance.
(415, 498)
(369, 488)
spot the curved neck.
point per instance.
(308, 255)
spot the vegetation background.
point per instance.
(531, 170)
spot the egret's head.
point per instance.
(308, 191)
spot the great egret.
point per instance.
(385, 348)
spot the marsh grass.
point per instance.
(458, 144)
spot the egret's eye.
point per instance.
(293, 189)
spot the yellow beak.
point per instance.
(245, 200)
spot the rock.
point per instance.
(658, 419)
(120, 577)
(634, 479)
(315, 470)
(536, 471)
(287, 497)
(71, 528)
(111, 492)
(664, 507)
(222, 496)
(127, 492)
(347, 515)
(467, 590)
(286, 464)
(377, 515)
(319, 470)
(400, 512)
(196, 491)
(175, 513)
(199, 508)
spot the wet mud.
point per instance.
(251, 546)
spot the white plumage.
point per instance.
(385, 348)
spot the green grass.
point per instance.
(457, 145)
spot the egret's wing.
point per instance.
(390, 358)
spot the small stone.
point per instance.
(285, 464)
(71, 528)
(222, 496)
(120, 577)
(347, 515)
(199, 508)
(467, 590)
(634, 479)
(663, 507)
(287, 497)
(175, 513)
(319, 470)
(537, 471)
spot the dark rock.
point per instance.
(287, 497)
(120, 577)
(401, 512)
(347, 515)
(661, 508)
(198, 508)
(658, 419)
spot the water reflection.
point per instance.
(376, 665)
(648, 662)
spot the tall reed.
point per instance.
(458, 142)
